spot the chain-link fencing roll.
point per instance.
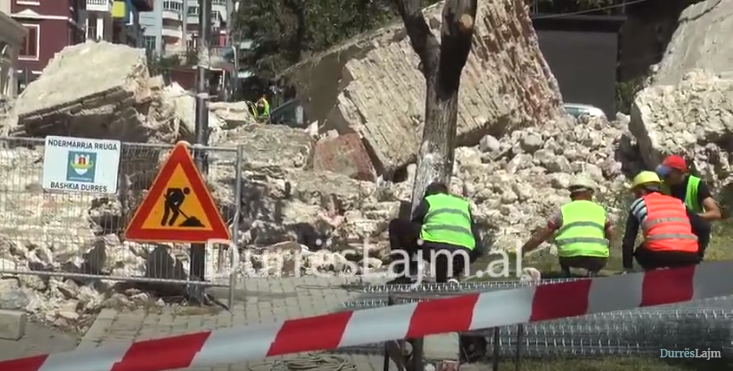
(643, 331)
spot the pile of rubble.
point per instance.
(687, 107)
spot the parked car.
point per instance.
(578, 110)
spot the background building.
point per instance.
(12, 39)
(55, 24)
(165, 26)
(51, 26)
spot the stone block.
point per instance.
(345, 155)
(12, 324)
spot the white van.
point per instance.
(578, 110)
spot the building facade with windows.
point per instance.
(54, 24)
(12, 39)
(51, 25)
(164, 26)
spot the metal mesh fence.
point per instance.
(81, 234)
(643, 331)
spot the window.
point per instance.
(31, 45)
(219, 2)
(149, 43)
(173, 5)
(92, 27)
(192, 42)
(193, 11)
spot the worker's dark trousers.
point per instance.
(649, 259)
(404, 235)
(592, 264)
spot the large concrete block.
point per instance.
(12, 324)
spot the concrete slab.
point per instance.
(12, 324)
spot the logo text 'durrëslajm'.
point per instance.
(706, 354)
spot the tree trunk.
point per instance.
(441, 63)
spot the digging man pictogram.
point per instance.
(174, 198)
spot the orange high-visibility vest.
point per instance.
(666, 226)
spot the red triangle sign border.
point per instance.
(178, 157)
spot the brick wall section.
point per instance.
(345, 155)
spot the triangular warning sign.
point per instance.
(178, 207)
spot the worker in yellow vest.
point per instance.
(263, 108)
(582, 231)
(691, 190)
(441, 231)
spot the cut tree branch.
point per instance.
(423, 41)
(459, 17)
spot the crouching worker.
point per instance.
(693, 191)
(582, 231)
(442, 230)
(671, 230)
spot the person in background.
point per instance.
(691, 190)
(582, 231)
(671, 230)
(441, 222)
(263, 107)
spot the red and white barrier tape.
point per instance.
(330, 331)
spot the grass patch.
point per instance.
(648, 363)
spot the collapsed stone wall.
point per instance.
(371, 85)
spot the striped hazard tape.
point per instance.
(461, 313)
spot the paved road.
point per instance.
(260, 301)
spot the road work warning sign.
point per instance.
(178, 206)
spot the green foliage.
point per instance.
(284, 32)
(625, 93)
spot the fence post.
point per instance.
(497, 348)
(235, 223)
(520, 347)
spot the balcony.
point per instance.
(174, 32)
(173, 15)
(99, 6)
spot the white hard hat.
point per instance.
(581, 182)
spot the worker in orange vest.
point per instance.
(672, 232)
